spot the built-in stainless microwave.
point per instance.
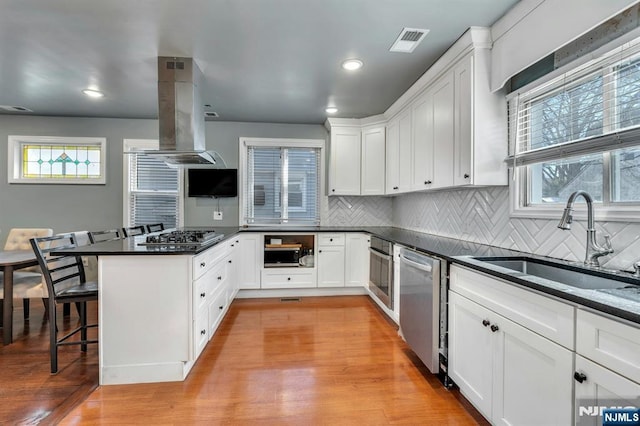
(281, 256)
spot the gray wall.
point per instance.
(84, 207)
(67, 207)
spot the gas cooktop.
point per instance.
(182, 238)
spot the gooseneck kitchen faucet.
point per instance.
(594, 251)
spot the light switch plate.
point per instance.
(217, 215)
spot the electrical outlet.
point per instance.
(217, 215)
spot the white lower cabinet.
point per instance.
(249, 260)
(356, 260)
(598, 387)
(289, 278)
(511, 374)
(331, 266)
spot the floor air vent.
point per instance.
(290, 299)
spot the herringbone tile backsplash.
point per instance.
(360, 211)
(482, 215)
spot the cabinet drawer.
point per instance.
(217, 308)
(200, 290)
(289, 278)
(204, 261)
(200, 333)
(216, 277)
(543, 315)
(613, 344)
(331, 239)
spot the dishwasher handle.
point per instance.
(421, 266)
(380, 254)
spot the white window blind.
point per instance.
(154, 192)
(282, 185)
(592, 109)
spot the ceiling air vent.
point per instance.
(210, 115)
(408, 40)
(11, 108)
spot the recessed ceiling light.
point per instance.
(331, 110)
(92, 93)
(352, 64)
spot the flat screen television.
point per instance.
(213, 183)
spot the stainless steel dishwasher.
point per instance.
(420, 320)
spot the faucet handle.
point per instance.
(607, 243)
(636, 268)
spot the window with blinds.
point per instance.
(281, 184)
(580, 130)
(154, 192)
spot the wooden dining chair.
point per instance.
(155, 227)
(28, 283)
(133, 230)
(106, 235)
(66, 283)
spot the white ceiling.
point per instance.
(262, 60)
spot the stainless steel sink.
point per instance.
(555, 272)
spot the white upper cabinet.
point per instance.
(344, 175)
(480, 124)
(400, 154)
(373, 161)
(422, 143)
(392, 158)
(447, 130)
(358, 157)
(443, 131)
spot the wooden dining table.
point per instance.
(10, 260)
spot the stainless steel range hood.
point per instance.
(181, 115)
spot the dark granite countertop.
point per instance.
(450, 249)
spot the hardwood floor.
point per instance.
(326, 360)
(28, 391)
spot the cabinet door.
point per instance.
(392, 182)
(614, 344)
(598, 387)
(423, 142)
(532, 381)
(470, 351)
(464, 101)
(405, 129)
(331, 266)
(356, 260)
(443, 132)
(249, 261)
(373, 162)
(344, 178)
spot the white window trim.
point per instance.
(131, 146)
(275, 143)
(616, 212)
(610, 213)
(14, 158)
